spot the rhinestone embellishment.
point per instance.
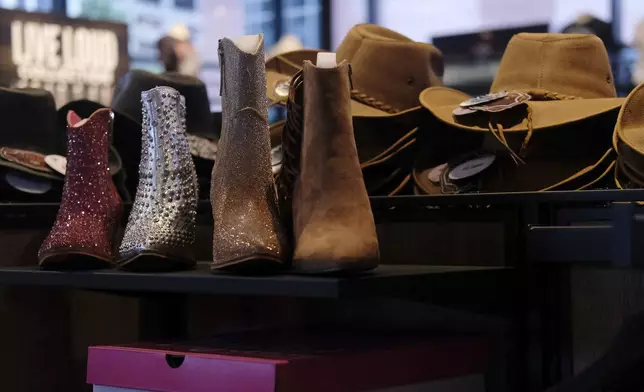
(164, 211)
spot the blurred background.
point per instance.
(471, 33)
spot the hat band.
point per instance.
(539, 94)
(373, 102)
(630, 160)
(356, 94)
(497, 130)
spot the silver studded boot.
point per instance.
(247, 237)
(160, 232)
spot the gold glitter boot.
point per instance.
(160, 232)
(247, 234)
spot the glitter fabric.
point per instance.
(247, 233)
(162, 221)
(90, 208)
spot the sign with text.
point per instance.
(72, 58)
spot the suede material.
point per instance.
(383, 85)
(571, 64)
(333, 223)
(568, 76)
(375, 53)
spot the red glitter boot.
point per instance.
(90, 210)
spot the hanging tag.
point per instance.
(57, 162)
(513, 99)
(277, 157)
(471, 167)
(481, 99)
(282, 88)
(449, 186)
(435, 173)
(459, 111)
(30, 159)
(28, 183)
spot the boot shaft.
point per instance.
(243, 78)
(165, 153)
(244, 134)
(162, 220)
(88, 146)
(246, 232)
(327, 140)
(88, 182)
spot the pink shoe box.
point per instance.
(272, 361)
(474, 383)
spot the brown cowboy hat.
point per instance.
(628, 141)
(383, 85)
(568, 77)
(559, 138)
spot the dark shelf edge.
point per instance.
(385, 281)
(610, 195)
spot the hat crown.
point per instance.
(37, 132)
(127, 98)
(389, 67)
(571, 64)
(630, 123)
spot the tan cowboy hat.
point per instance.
(628, 141)
(383, 85)
(559, 138)
(568, 77)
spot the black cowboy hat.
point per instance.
(33, 130)
(201, 125)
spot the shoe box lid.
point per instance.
(287, 361)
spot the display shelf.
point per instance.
(385, 281)
(599, 227)
(587, 227)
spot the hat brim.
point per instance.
(26, 169)
(281, 69)
(573, 178)
(441, 102)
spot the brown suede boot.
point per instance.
(333, 226)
